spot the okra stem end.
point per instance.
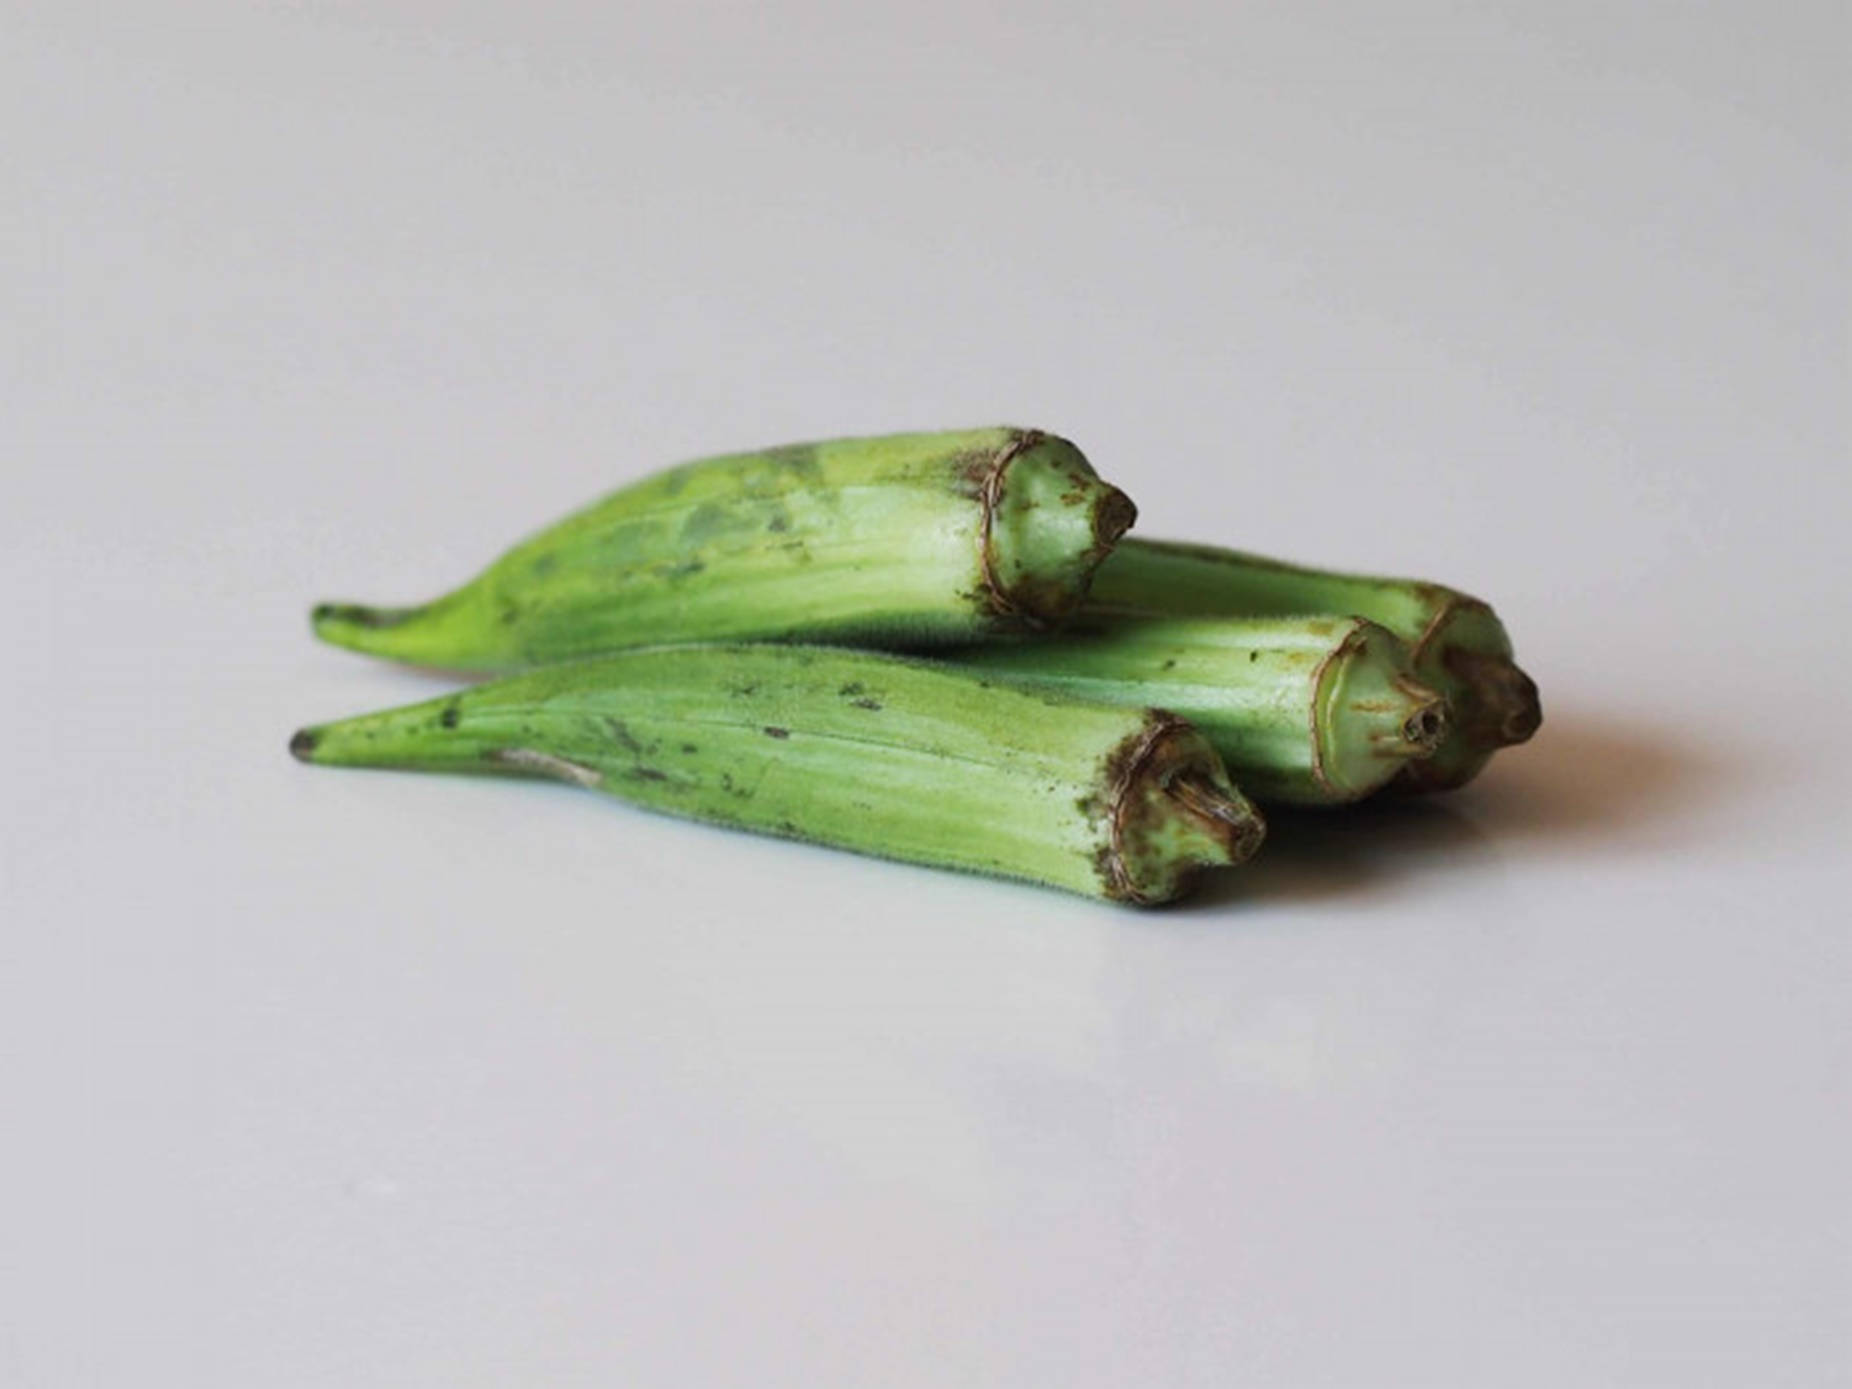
(1508, 709)
(1048, 522)
(1370, 715)
(1172, 813)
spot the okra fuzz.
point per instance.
(902, 758)
(927, 537)
(1303, 710)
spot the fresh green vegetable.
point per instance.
(902, 758)
(926, 537)
(1457, 645)
(1303, 710)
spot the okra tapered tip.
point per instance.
(362, 625)
(449, 632)
(331, 744)
(357, 626)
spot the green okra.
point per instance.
(926, 538)
(886, 755)
(1457, 646)
(1303, 710)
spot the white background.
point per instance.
(318, 1078)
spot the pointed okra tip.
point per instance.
(303, 742)
(355, 625)
(1048, 522)
(1172, 813)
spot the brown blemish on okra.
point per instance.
(772, 731)
(1509, 708)
(302, 744)
(800, 459)
(1493, 703)
(1499, 706)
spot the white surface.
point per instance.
(315, 1078)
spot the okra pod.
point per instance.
(1303, 710)
(1457, 645)
(886, 755)
(929, 538)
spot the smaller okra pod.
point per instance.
(1303, 710)
(1457, 645)
(930, 538)
(886, 755)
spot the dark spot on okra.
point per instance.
(621, 735)
(781, 521)
(689, 747)
(1106, 868)
(302, 743)
(800, 459)
(867, 703)
(1253, 656)
(510, 614)
(451, 716)
(1171, 664)
(773, 731)
(971, 472)
(647, 774)
(852, 689)
(545, 565)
